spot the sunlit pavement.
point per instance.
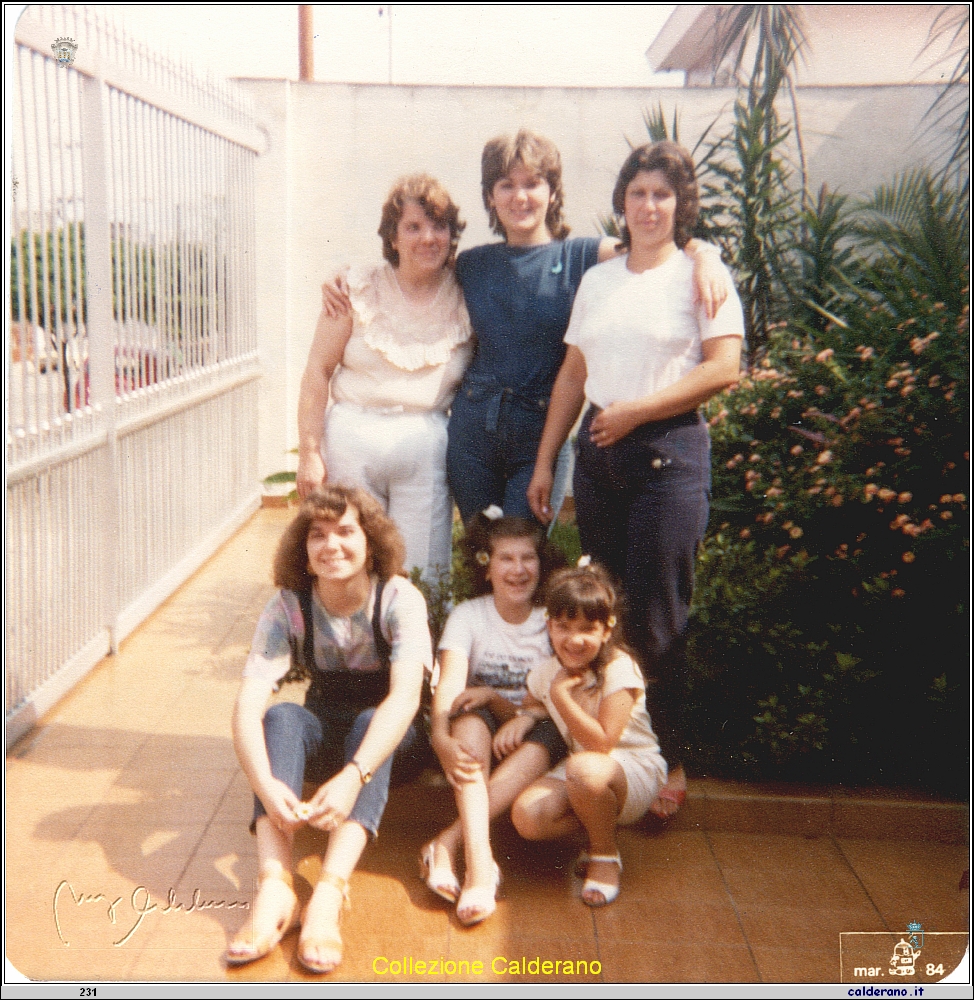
(128, 855)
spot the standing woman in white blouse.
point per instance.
(643, 352)
(391, 367)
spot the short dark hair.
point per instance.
(534, 152)
(432, 198)
(482, 533)
(387, 551)
(675, 163)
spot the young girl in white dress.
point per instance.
(488, 647)
(596, 695)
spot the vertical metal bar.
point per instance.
(96, 161)
(56, 239)
(78, 296)
(22, 237)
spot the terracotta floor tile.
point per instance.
(684, 963)
(798, 965)
(90, 965)
(203, 753)
(913, 881)
(669, 921)
(736, 850)
(802, 926)
(78, 747)
(792, 887)
(226, 840)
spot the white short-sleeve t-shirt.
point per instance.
(640, 333)
(500, 655)
(620, 672)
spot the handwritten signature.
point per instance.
(141, 904)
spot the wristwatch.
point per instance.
(366, 776)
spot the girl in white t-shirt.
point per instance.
(596, 695)
(488, 647)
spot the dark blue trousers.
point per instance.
(642, 507)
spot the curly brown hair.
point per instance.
(675, 163)
(432, 198)
(533, 152)
(482, 533)
(387, 551)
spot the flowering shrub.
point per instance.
(830, 612)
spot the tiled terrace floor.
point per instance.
(130, 790)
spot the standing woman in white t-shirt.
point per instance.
(643, 352)
(489, 646)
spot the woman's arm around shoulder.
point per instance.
(710, 277)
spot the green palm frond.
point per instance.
(778, 33)
(949, 116)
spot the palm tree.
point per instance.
(776, 35)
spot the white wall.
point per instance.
(335, 149)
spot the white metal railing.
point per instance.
(132, 359)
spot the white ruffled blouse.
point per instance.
(402, 356)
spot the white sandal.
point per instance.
(439, 879)
(608, 892)
(480, 901)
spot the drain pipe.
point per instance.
(306, 41)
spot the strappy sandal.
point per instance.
(335, 945)
(608, 892)
(439, 879)
(242, 952)
(479, 902)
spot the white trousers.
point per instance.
(400, 458)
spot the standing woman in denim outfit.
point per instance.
(645, 353)
(519, 295)
(350, 619)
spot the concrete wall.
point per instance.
(335, 149)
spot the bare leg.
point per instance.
(473, 803)
(528, 763)
(275, 905)
(320, 947)
(597, 789)
(543, 812)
